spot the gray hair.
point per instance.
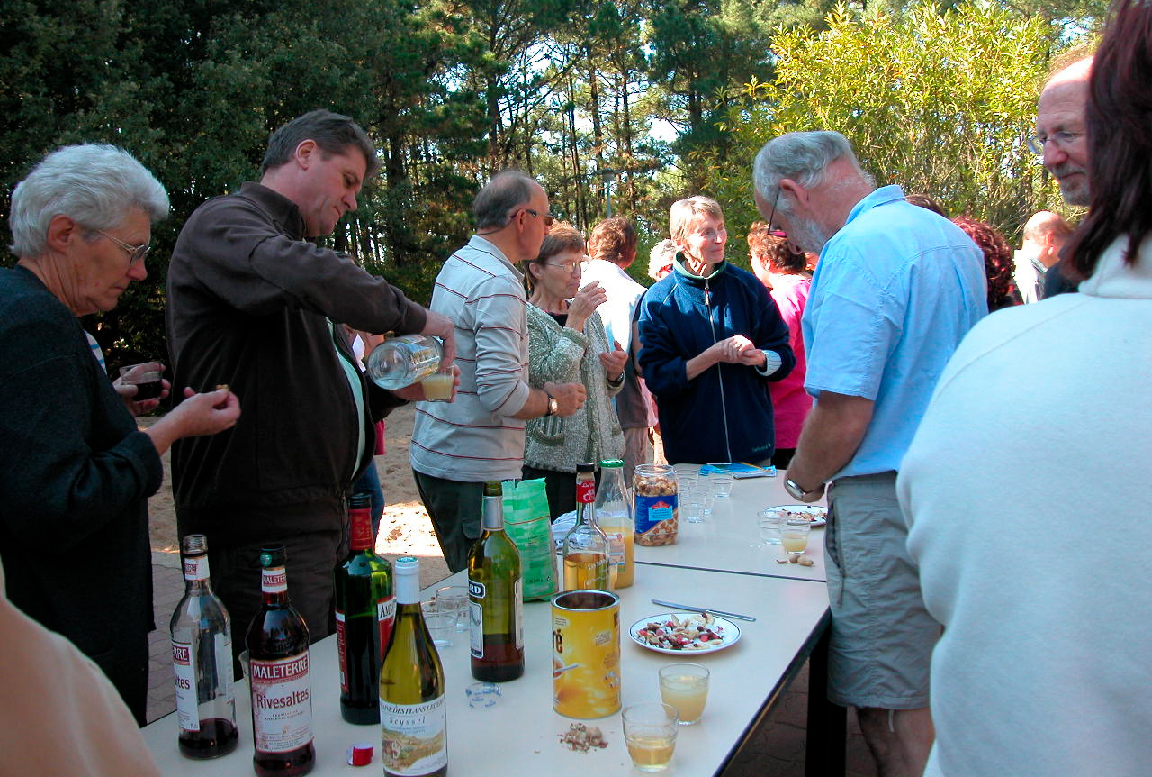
(506, 190)
(801, 156)
(94, 185)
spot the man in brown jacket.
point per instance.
(253, 304)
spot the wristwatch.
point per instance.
(553, 405)
(796, 492)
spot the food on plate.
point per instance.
(805, 514)
(682, 632)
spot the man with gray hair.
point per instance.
(896, 289)
(457, 447)
(1060, 141)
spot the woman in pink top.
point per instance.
(788, 280)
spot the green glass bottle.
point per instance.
(496, 596)
(365, 609)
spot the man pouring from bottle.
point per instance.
(253, 304)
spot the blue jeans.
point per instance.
(370, 482)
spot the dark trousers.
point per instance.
(454, 507)
(126, 665)
(311, 558)
(560, 487)
(783, 457)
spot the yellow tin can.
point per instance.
(586, 654)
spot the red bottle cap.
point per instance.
(359, 754)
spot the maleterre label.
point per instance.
(281, 704)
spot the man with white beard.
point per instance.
(896, 289)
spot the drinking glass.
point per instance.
(441, 622)
(721, 484)
(685, 687)
(794, 535)
(650, 734)
(145, 377)
(455, 599)
(438, 385)
(707, 498)
(769, 522)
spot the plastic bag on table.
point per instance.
(526, 517)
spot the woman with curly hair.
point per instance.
(1002, 292)
(785, 273)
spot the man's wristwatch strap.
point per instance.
(551, 404)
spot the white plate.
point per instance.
(729, 636)
(818, 514)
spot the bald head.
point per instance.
(1060, 127)
(1046, 223)
(1044, 236)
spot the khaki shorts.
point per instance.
(882, 636)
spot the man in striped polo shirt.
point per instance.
(458, 446)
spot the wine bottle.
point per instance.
(496, 596)
(398, 362)
(585, 550)
(413, 714)
(614, 514)
(277, 643)
(202, 659)
(365, 608)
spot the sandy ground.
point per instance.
(405, 529)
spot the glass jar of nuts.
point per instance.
(657, 505)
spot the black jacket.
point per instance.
(75, 477)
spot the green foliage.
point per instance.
(452, 90)
(937, 102)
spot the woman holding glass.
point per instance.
(75, 470)
(567, 343)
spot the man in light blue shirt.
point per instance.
(896, 289)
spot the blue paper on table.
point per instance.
(740, 470)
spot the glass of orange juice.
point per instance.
(650, 735)
(794, 535)
(438, 386)
(685, 687)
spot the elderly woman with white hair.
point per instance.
(711, 340)
(75, 471)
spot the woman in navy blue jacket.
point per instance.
(711, 339)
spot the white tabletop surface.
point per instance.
(520, 734)
(729, 540)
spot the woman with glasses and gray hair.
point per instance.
(75, 471)
(712, 339)
(567, 343)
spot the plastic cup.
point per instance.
(685, 687)
(455, 599)
(650, 730)
(440, 620)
